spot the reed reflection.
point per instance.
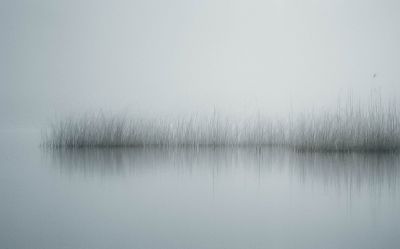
(342, 172)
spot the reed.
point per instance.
(375, 127)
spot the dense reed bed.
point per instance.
(352, 128)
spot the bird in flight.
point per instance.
(374, 75)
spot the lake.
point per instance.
(222, 197)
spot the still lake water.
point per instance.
(187, 198)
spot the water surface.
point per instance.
(194, 198)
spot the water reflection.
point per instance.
(195, 198)
(349, 173)
(346, 173)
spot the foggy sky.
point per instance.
(182, 56)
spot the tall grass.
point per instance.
(375, 127)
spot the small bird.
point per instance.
(374, 75)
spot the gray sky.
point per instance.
(182, 56)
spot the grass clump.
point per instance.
(353, 128)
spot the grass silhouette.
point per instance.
(375, 128)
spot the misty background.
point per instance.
(183, 56)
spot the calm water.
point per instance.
(186, 198)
